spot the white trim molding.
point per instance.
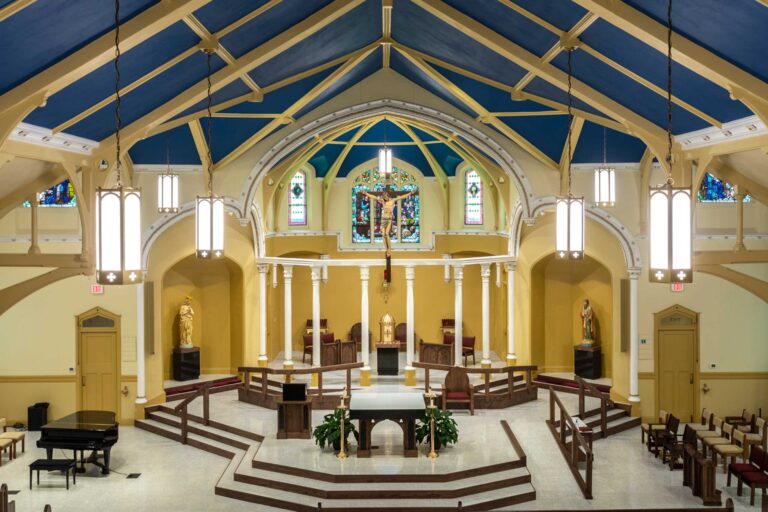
(734, 130)
(40, 136)
(161, 168)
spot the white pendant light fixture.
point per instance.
(385, 162)
(209, 210)
(605, 180)
(118, 210)
(670, 208)
(168, 186)
(569, 210)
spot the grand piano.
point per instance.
(93, 431)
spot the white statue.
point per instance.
(186, 315)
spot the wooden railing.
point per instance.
(589, 389)
(5, 505)
(579, 449)
(183, 409)
(486, 372)
(263, 377)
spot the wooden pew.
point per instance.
(699, 475)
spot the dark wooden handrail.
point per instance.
(183, 409)
(4, 505)
(486, 372)
(578, 442)
(587, 388)
(288, 372)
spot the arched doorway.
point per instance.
(676, 338)
(215, 289)
(98, 360)
(558, 290)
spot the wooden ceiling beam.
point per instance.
(252, 59)
(566, 157)
(483, 114)
(650, 133)
(13, 8)
(386, 31)
(10, 295)
(752, 284)
(74, 67)
(201, 145)
(741, 84)
(727, 173)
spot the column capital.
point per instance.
(317, 273)
(263, 268)
(485, 271)
(634, 272)
(510, 265)
(458, 272)
(410, 272)
(365, 273)
(287, 272)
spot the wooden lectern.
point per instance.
(294, 419)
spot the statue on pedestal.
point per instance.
(186, 315)
(587, 324)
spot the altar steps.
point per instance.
(617, 420)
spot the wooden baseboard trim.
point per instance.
(35, 379)
(715, 375)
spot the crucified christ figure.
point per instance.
(388, 202)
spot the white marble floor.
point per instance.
(176, 477)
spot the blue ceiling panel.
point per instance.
(416, 28)
(563, 14)
(652, 65)
(356, 29)
(629, 93)
(412, 73)
(546, 133)
(46, 32)
(269, 24)
(154, 149)
(361, 154)
(508, 23)
(446, 157)
(324, 159)
(280, 99)
(385, 131)
(356, 156)
(735, 30)
(347, 136)
(620, 147)
(218, 14)
(228, 92)
(367, 67)
(422, 134)
(493, 99)
(228, 134)
(100, 83)
(546, 90)
(147, 97)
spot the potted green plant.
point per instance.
(446, 429)
(329, 431)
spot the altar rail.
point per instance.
(578, 450)
(498, 394)
(260, 390)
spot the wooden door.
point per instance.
(676, 372)
(98, 372)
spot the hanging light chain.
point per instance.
(209, 53)
(168, 152)
(669, 92)
(118, 120)
(570, 119)
(605, 146)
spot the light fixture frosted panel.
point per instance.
(118, 236)
(659, 230)
(168, 193)
(605, 187)
(569, 229)
(576, 231)
(561, 235)
(670, 235)
(681, 233)
(209, 227)
(385, 162)
(132, 231)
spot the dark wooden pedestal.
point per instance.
(588, 362)
(387, 358)
(186, 363)
(294, 419)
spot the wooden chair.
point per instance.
(756, 456)
(726, 433)
(356, 335)
(6, 444)
(745, 422)
(324, 338)
(401, 333)
(717, 425)
(645, 428)
(756, 479)
(467, 346)
(675, 448)
(16, 437)
(759, 437)
(706, 421)
(457, 389)
(656, 438)
(735, 449)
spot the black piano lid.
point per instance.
(85, 420)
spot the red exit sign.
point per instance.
(676, 287)
(97, 289)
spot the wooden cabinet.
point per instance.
(294, 419)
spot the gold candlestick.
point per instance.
(432, 453)
(342, 452)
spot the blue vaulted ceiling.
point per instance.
(451, 65)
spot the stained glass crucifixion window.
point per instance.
(366, 228)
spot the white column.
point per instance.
(288, 332)
(410, 273)
(447, 268)
(739, 221)
(634, 346)
(34, 248)
(317, 275)
(274, 275)
(511, 357)
(458, 276)
(263, 269)
(141, 383)
(364, 341)
(485, 274)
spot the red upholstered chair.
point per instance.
(468, 348)
(756, 458)
(401, 333)
(326, 337)
(457, 389)
(755, 479)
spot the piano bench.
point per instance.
(64, 465)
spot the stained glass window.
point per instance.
(713, 190)
(406, 225)
(59, 196)
(297, 200)
(473, 198)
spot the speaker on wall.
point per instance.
(149, 317)
(624, 315)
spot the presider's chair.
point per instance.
(457, 389)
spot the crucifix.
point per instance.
(388, 199)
